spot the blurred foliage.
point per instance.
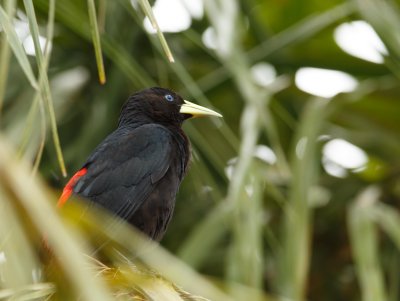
(258, 230)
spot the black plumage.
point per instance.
(136, 171)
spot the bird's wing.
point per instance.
(124, 169)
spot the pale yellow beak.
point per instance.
(196, 110)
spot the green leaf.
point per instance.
(364, 243)
(149, 13)
(44, 87)
(17, 48)
(96, 41)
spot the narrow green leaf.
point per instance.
(101, 16)
(28, 127)
(245, 256)
(32, 197)
(17, 48)
(389, 220)
(5, 56)
(39, 153)
(5, 53)
(206, 235)
(149, 13)
(364, 244)
(50, 26)
(44, 88)
(294, 261)
(34, 28)
(19, 250)
(96, 41)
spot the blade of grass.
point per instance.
(236, 266)
(101, 16)
(295, 255)
(42, 138)
(197, 246)
(39, 95)
(5, 54)
(44, 88)
(34, 29)
(20, 259)
(364, 245)
(29, 125)
(246, 253)
(244, 261)
(224, 18)
(28, 128)
(393, 276)
(17, 48)
(271, 130)
(35, 201)
(250, 124)
(50, 27)
(388, 219)
(144, 4)
(27, 133)
(96, 40)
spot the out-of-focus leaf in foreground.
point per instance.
(43, 255)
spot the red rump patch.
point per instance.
(70, 187)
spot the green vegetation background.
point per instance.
(266, 232)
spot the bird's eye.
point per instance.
(169, 97)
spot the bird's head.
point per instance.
(162, 106)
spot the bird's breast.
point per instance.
(154, 215)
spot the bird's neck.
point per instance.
(133, 120)
(185, 149)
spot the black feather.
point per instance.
(136, 171)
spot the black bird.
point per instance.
(136, 171)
